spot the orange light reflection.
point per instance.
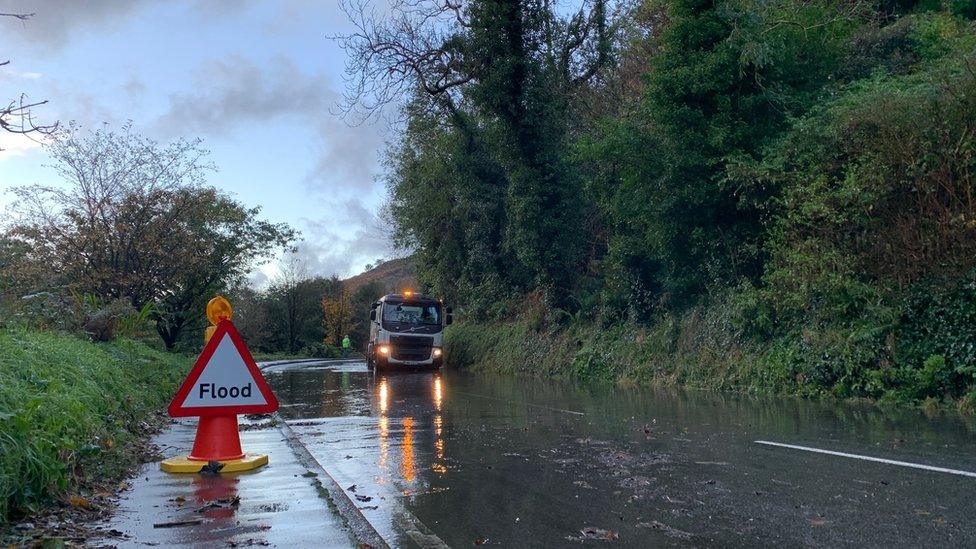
(384, 396)
(407, 469)
(438, 393)
(384, 440)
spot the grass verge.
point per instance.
(73, 413)
(709, 347)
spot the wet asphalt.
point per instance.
(457, 459)
(279, 505)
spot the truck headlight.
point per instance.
(437, 352)
(384, 349)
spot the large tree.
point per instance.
(491, 82)
(134, 220)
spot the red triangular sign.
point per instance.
(224, 381)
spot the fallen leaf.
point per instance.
(78, 501)
(591, 532)
(668, 530)
(177, 523)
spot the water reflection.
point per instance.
(438, 393)
(384, 395)
(409, 407)
(216, 494)
(558, 456)
(407, 470)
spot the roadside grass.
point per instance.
(72, 413)
(708, 347)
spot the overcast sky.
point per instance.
(258, 81)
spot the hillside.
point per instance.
(393, 275)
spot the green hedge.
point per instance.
(915, 346)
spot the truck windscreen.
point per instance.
(414, 314)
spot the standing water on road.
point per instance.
(455, 458)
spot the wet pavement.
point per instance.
(278, 505)
(460, 459)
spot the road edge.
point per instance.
(361, 528)
(347, 509)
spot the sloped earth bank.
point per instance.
(457, 459)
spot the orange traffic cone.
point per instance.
(217, 439)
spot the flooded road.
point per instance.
(462, 459)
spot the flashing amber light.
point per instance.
(219, 308)
(408, 293)
(384, 349)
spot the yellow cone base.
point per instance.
(182, 464)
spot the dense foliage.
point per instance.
(800, 172)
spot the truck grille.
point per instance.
(411, 348)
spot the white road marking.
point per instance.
(870, 458)
(525, 403)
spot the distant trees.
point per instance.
(135, 221)
(303, 314)
(338, 315)
(360, 301)
(293, 308)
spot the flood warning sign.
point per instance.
(224, 380)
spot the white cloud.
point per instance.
(327, 251)
(27, 75)
(13, 145)
(346, 153)
(236, 94)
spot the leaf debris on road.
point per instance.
(175, 523)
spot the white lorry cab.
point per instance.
(406, 332)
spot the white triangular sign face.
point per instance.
(225, 381)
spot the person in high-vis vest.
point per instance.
(346, 346)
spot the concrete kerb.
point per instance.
(266, 365)
(346, 507)
(361, 528)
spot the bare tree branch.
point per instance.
(17, 117)
(21, 16)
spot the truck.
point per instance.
(406, 332)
